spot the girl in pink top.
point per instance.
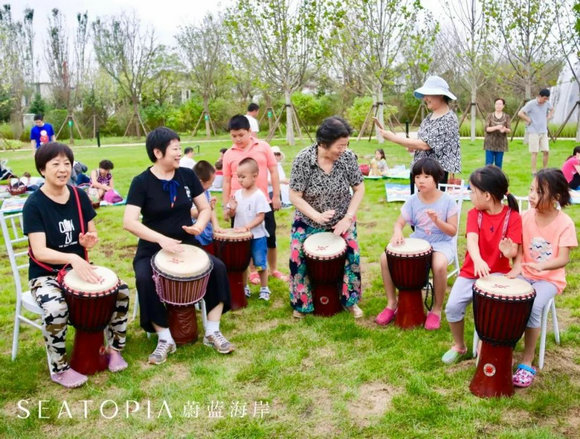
(548, 235)
(571, 169)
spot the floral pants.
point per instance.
(300, 289)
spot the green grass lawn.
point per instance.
(320, 377)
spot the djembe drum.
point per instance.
(90, 307)
(501, 308)
(235, 250)
(325, 255)
(409, 265)
(181, 281)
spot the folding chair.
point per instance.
(455, 191)
(523, 205)
(17, 248)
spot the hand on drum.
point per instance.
(515, 271)
(170, 244)
(88, 240)
(480, 268)
(85, 270)
(397, 239)
(192, 230)
(342, 226)
(324, 217)
(508, 248)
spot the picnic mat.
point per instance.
(575, 196)
(13, 204)
(398, 172)
(397, 192)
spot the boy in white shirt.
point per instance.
(248, 206)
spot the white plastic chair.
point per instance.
(18, 257)
(455, 191)
(524, 204)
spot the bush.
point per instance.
(6, 130)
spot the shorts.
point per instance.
(270, 224)
(260, 253)
(538, 142)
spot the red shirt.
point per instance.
(490, 234)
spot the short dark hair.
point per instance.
(50, 150)
(204, 170)
(253, 107)
(106, 164)
(428, 166)
(331, 129)
(250, 162)
(219, 165)
(499, 99)
(544, 92)
(552, 185)
(187, 150)
(38, 117)
(159, 139)
(239, 122)
(223, 150)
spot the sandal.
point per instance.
(524, 376)
(279, 275)
(453, 355)
(69, 378)
(116, 361)
(254, 278)
(386, 316)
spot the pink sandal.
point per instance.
(69, 378)
(279, 275)
(524, 376)
(254, 278)
(116, 361)
(386, 316)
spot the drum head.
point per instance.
(232, 235)
(191, 262)
(109, 280)
(324, 245)
(503, 286)
(411, 246)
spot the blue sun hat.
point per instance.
(434, 86)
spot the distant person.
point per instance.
(41, 133)
(218, 181)
(222, 152)
(187, 160)
(536, 113)
(571, 169)
(102, 178)
(252, 115)
(497, 127)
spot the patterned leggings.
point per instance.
(49, 296)
(300, 290)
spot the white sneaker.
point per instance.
(265, 293)
(161, 352)
(247, 291)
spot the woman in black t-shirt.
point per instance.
(52, 222)
(164, 194)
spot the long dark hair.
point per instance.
(492, 179)
(552, 185)
(575, 151)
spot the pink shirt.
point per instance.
(543, 244)
(569, 168)
(259, 151)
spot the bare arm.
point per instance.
(256, 221)
(398, 238)
(522, 115)
(558, 262)
(410, 144)
(227, 184)
(480, 267)
(448, 227)
(297, 199)
(203, 215)
(344, 224)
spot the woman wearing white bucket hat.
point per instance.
(438, 135)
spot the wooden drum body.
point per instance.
(90, 309)
(409, 265)
(235, 251)
(181, 281)
(325, 255)
(501, 308)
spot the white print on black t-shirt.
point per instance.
(67, 227)
(187, 192)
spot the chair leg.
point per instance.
(475, 343)
(543, 335)
(136, 305)
(555, 322)
(203, 314)
(16, 333)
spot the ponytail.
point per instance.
(512, 202)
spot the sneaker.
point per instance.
(386, 316)
(218, 342)
(298, 315)
(247, 291)
(69, 378)
(265, 293)
(453, 355)
(432, 322)
(160, 353)
(355, 311)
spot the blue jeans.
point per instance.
(491, 156)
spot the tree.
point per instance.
(126, 53)
(377, 32)
(282, 38)
(202, 51)
(470, 33)
(526, 29)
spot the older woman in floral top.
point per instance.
(438, 135)
(321, 180)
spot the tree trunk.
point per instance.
(473, 110)
(136, 115)
(289, 119)
(380, 111)
(206, 116)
